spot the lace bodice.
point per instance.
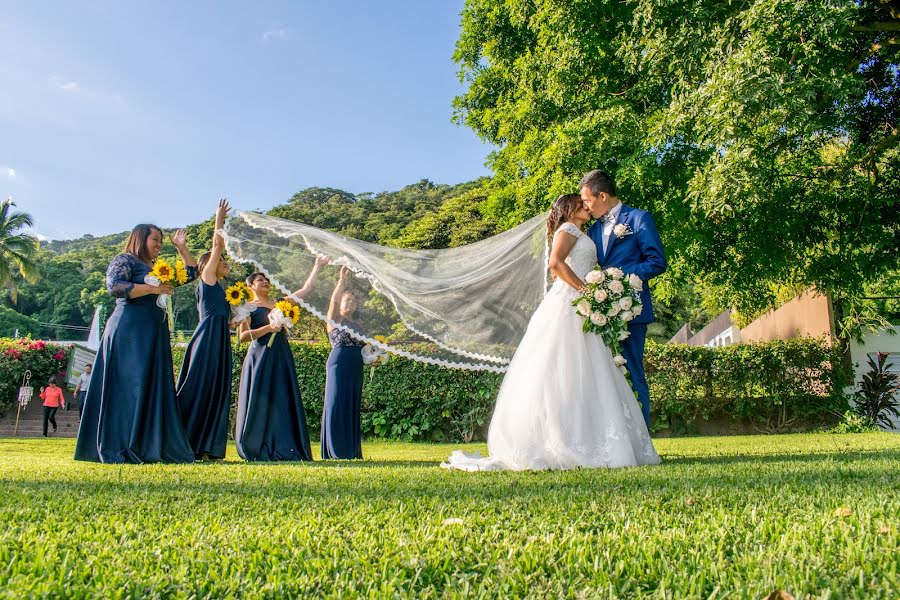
(341, 337)
(583, 256)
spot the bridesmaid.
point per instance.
(271, 424)
(130, 413)
(204, 382)
(341, 436)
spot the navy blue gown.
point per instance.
(204, 383)
(270, 424)
(341, 435)
(130, 413)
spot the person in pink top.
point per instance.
(53, 399)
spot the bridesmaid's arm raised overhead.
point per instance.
(209, 275)
(179, 240)
(310, 283)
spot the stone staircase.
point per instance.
(31, 420)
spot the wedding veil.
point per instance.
(465, 307)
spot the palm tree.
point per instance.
(18, 251)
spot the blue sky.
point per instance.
(114, 113)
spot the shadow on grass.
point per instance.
(402, 479)
(803, 457)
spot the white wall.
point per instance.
(728, 337)
(881, 341)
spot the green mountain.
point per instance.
(421, 215)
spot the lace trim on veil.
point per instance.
(372, 341)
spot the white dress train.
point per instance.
(563, 403)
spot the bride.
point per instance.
(563, 402)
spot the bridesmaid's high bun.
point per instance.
(561, 212)
(253, 276)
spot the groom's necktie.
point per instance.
(606, 220)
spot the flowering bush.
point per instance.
(17, 356)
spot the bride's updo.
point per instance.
(561, 212)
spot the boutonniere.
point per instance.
(621, 230)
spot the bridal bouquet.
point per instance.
(609, 301)
(285, 315)
(241, 298)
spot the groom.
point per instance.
(626, 238)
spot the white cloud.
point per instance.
(63, 84)
(275, 32)
(10, 172)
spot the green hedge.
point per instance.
(43, 359)
(776, 384)
(401, 400)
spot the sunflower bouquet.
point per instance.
(241, 298)
(285, 315)
(163, 272)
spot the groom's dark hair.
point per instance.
(598, 181)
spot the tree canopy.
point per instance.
(763, 134)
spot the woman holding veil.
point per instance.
(341, 429)
(270, 423)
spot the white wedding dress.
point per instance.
(563, 403)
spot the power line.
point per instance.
(79, 327)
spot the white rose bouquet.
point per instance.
(610, 300)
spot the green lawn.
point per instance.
(815, 515)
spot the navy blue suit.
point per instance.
(640, 253)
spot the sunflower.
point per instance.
(181, 274)
(163, 270)
(234, 294)
(295, 313)
(381, 338)
(286, 309)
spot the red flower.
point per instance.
(12, 352)
(61, 355)
(38, 345)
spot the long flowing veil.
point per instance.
(465, 307)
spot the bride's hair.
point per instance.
(561, 212)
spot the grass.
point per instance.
(816, 515)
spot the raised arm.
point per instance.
(334, 307)
(310, 283)
(218, 246)
(179, 240)
(653, 260)
(563, 242)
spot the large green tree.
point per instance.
(763, 134)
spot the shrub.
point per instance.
(851, 422)
(775, 385)
(876, 399)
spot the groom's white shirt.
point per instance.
(609, 225)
